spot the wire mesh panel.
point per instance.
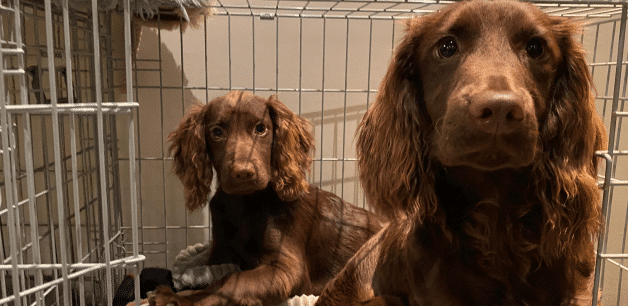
(61, 237)
(604, 39)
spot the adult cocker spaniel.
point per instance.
(480, 149)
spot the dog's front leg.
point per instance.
(270, 283)
(353, 285)
(362, 282)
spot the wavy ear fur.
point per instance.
(566, 175)
(191, 159)
(392, 144)
(291, 158)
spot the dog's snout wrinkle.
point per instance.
(498, 83)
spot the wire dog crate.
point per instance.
(87, 194)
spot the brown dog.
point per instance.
(481, 150)
(288, 237)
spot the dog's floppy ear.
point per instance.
(566, 173)
(392, 144)
(573, 131)
(291, 156)
(191, 159)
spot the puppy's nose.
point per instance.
(243, 171)
(496, 112)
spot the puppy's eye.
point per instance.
(217, 133)
(447, 47)
(260, 129)
(534, 48)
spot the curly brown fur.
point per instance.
(480, 149)
(288, 237)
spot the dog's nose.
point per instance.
(243, 171)
(496, 112)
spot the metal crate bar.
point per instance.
(62, 228)
(394, 9)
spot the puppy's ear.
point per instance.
(191, 157)
(392, 143)
(291, 158)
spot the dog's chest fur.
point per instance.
(251, 223)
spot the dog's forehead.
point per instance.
(238, 104)
(471, 16)
(234, 97)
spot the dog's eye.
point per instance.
(447, 47)
(534, 48)
(217, 133)
(260, 129)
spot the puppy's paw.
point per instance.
(163, 296)
(193, 255)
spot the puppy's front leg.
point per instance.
(270, 283)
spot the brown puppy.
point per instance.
(287, 237)
(481, 150)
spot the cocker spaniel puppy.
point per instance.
(288, 237)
